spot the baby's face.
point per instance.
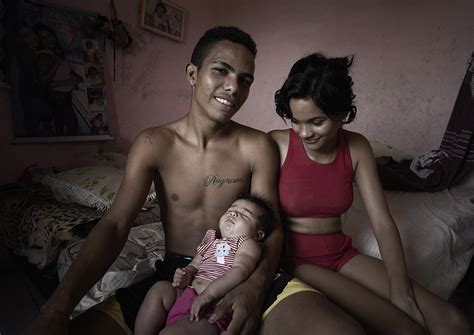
(241, 219)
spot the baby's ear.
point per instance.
(260, 235)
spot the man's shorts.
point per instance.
(124, 306)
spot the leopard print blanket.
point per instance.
(35, 225)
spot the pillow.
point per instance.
(93, 186)
(381, 149)
(112, 159)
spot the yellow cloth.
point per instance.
(112, 308)
(294, 286)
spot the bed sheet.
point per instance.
(437, 231)
(144, 246)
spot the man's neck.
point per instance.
(202, 132)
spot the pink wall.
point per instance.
(410, 59)
(151, 88)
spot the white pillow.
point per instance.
(92, 186)
(381, 149)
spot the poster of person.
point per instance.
(55, 58)
(164, 18)
(3, 63)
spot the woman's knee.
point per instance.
(408, 327)
(352, 327)
(455, 321)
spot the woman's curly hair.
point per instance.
(326, 81)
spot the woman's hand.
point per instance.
(407, 303)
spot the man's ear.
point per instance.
(260, 235)
(191, 73)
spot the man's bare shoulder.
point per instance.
(151, 144)
(252, 138)
(155, 137)
(258, 147)
(280, 136)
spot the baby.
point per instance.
(220, 264)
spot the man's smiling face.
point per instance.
(222, 84)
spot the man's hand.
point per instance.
(183, 276)
(48, 323)
(245, 304)
(200, 304)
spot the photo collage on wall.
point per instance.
(3, 63)
(56, 71)
(94, 77)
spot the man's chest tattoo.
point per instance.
(218, 182)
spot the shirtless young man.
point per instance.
(199, 164)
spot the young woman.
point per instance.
(319, 160)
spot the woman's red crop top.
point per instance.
(311, 190)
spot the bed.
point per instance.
(34, 225)
(437, 231)
(47, 220)
(52, 208)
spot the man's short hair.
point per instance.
(268, 220)
(217, 34)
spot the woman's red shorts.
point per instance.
(330, 251)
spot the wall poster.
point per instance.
(55, 70)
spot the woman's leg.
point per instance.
(441, 317)
(361, 288)
(376, 314)
(309, 313)
(154, 309)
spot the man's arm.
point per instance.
(104, 242)
(265, 171)
(246, 299)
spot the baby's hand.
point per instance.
(183, 276)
